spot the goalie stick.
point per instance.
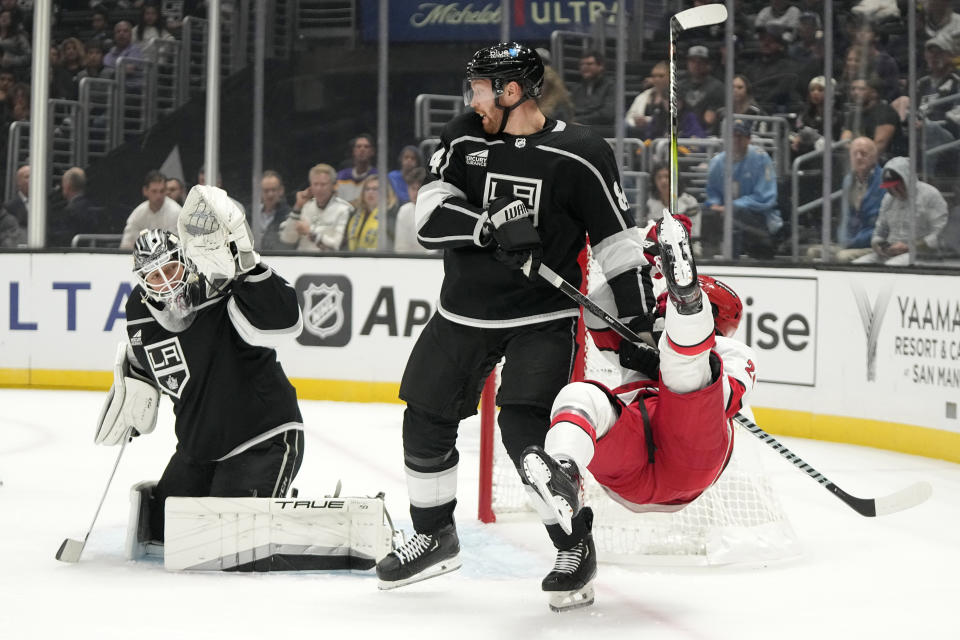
(898, 501)
(71, 550)
(702, 16)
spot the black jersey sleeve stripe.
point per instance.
(611, 200)
(264, 309)
(445, 218)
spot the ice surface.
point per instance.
(891, 577)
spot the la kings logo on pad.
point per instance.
(526, 189)
(169, 366)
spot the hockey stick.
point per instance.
(702, 16)
(898, 501)
(71, 549)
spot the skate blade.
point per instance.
(561, 601)
(445, 566)
(538, 474)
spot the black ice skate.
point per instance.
(569, 584)
(558, 483)
(423, 556)
(677, 264)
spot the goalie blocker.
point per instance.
(262, 534)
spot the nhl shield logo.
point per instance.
(323, 310)
(520, 143)
(169, 366)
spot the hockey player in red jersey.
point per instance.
(662, 437)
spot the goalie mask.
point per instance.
(162, 271)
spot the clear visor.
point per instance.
(480, 89)
(164, 279)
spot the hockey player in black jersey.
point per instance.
(202, 324)
(508, 188)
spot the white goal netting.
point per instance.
(737, 520)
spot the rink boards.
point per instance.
(864, 357)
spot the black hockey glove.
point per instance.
(640, 356)
(518, 242)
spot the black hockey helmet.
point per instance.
(162, 270)
(508, 62)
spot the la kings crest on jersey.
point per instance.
(169, 365)
(526, 189)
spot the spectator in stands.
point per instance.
(8, 77)
(808, 129)
(779, 13)
(175, 190)
(156, 212)
(649, 114)
(65, 81)
(202, 179)
(11, 233)
(939, 18)
(872, 117)
(891, 236)
(773, 74)
(406, 233)
(879, 62)
(701, 92)
(14, 44)
(363, 228)
(807, 37)
(93, 62)
(272, 211)
(410, 158)
(363, 150)
(100, 29)
(940, 123)
(123, 47)
(152, 24)
(593, 97)
(743, 104)
(756, 218)
(19, 17)
(658, 199)
(20, 102)
(862, 195)
(319, 217)
(18, 204)
(78, 215)
(554, 100)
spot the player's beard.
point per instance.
(492, 120)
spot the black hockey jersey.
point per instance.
(568, 178)
(220, 371)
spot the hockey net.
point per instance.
(737, 520)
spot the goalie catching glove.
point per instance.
(518, 244)
(131, 404)
(215, 237)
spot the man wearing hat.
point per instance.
(937, 125)
(773, 74)
(807, 37)
(756, 218)
(701, 92)
(891, 236)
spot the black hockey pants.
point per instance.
(442, 384)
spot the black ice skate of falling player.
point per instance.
(507, 186)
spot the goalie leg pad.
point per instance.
(140, 540)
(273, 534)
